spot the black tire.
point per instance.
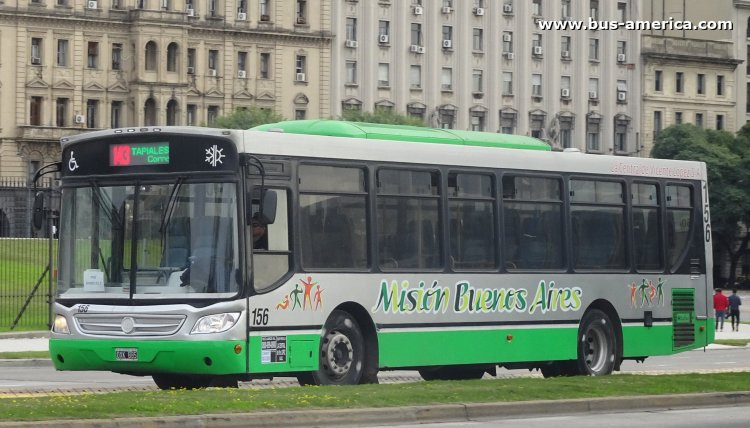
(452, 373)
(559, 368)
(342, 353)
(597, 344)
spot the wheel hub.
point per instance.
(338, 354)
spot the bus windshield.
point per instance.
(149, 241)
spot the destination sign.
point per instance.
(139, 154)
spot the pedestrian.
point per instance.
(720, 307)
(734, 310)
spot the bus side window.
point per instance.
(271, 263)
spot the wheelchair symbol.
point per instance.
(72, 164)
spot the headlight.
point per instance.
(60, 325)
(215, 323)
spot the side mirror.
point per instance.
(37, 217)
(269, 206)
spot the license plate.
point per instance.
(126, 354)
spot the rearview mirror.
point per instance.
(268, 216)
(269, 206)
(37, 216)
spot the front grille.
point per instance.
(142, 325)
(683, 317)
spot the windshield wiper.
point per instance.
(166, 216)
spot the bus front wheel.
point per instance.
(597, 344)
(341, 353)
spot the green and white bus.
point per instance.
(378, 247)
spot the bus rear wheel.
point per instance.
(597, 344)
(341, 354)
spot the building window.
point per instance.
(416, 34)
(92, 107)
(212, 8)
(191, 61)
(565, 87)
(35, 111)
(172, 54)
(447, 116)
(508, 121)
(536, 45)
(621, 133)
(151, 56)
(149, 112)
(658, 126)
(565, 136)
(536, 85)
(213, 114)
(507, 83)
(415, 77)
(301, 12)
(477, 81)
(300, 114)
(446, 79)
(719, 85)
(265, 10)
(416, 110)
(657, 80)
(384, 28)
(720, 122)
(622, 11)
(678, 118)
(384, 75)
(192, 114)
(265, 65)
(622, 91)
(593, 49)
(115, 118)
(565, 10)
(594, 9)
(699, 120)
(701, 84)
(172, 113)
(61, 112)
(213, 59)
(592, 133)
(565, 45)
(536, 123)
(536, 7)
(447, 35)
(36, 51)
(593, 88)
(478, 40)
(351, 72)
(678, 82)
(622, 50)
(62, 53)
(241, 62)
(93, 55)
(300, 68)
(116, 56)
(351, 28)
(477, 121)
(507, 42)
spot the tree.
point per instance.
(247, 118)
(381, 115)
(727, 159)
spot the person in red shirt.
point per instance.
(721, 303)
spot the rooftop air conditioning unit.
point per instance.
(300, 77)
(537, 50)
(508, 8)
(565, 92)
(80, 118)
(242, 74)
(414, 48)
(620, 57)
(479, 11)
(593, 95)
(91, 4)
(242, 16)
(446, 9)
(190, 12)
(565, 54)
(418, 10)
(508, 55)
(191, 70)
(507, 37)
(420, 50)
(36, 60)
(383, 38)
(622, 96)
(447, 44)
(212, 72)
(351, 43)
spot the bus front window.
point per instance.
(149, 241)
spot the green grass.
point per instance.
(22, 262)
(23, 355)
(181, 402)
(732, 342)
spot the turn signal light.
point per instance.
(237, 348)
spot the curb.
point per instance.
(25, 335)
(26, 362)
(411, 414)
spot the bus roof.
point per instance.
(378, 131)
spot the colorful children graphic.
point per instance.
(306, 301)
(650, 294)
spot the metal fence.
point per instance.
(27, 256)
